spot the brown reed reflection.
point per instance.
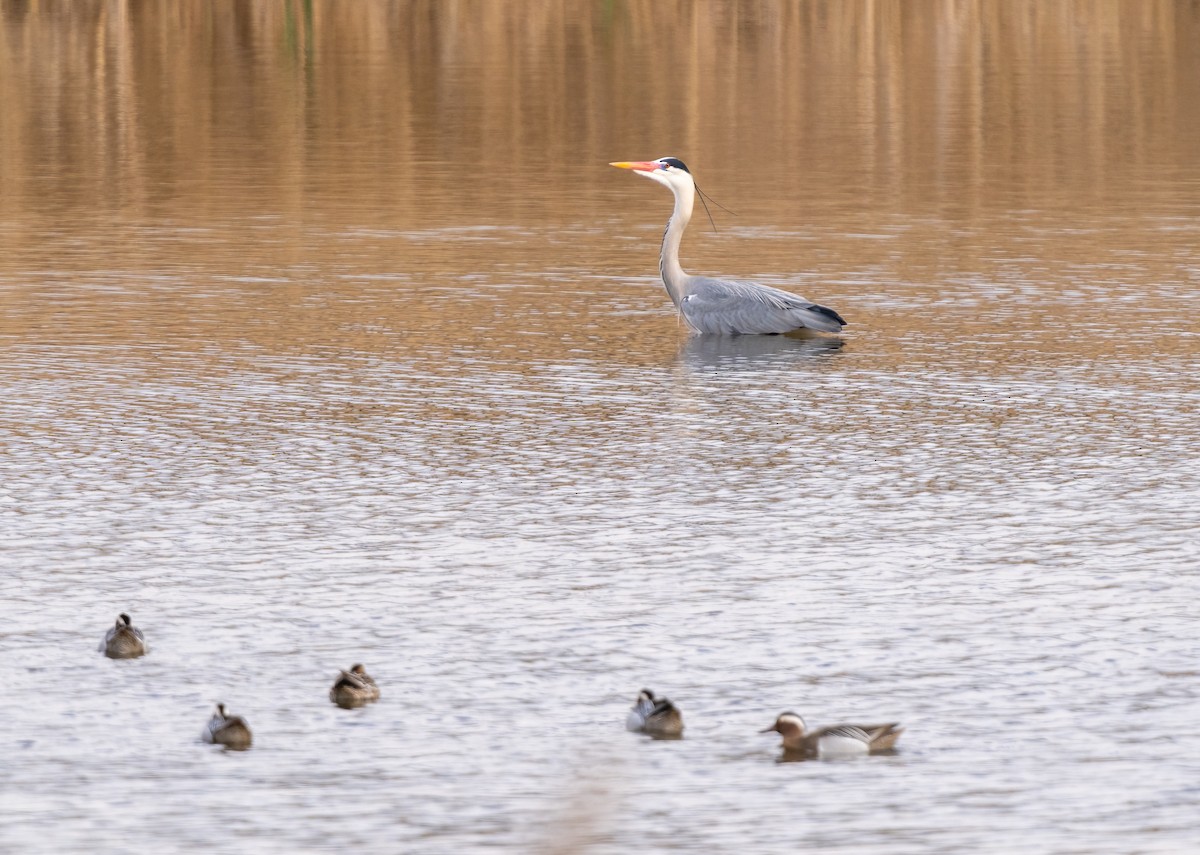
(142, 111)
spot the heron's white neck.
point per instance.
(668, 262)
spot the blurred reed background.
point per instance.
(139, 109)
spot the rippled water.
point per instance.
(469, 446)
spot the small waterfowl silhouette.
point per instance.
(838, 740)
(656, 716)
(228, 730)
(354, 688)
(124, 640)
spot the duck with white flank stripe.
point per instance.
(838, 740)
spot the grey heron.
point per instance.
(722, 306)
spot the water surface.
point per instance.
(329, 337)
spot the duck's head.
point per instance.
(221, 711)
(123, 621)
(789, 723)
(357, 669)
(646, 697)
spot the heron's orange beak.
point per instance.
(639, 165)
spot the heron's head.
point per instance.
(670, 171)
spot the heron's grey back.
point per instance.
(732, 307)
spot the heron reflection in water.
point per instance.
(722, 306)
(754, 352)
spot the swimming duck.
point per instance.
(228, 730)
(655, 716)
(354, 688)
(124, 640)
(838, 740)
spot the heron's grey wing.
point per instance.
(732, 307)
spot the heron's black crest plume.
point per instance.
(704, 196)
(677, 163)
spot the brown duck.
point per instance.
(354, 688)
(838, 740)
(124, 640)
(656, 716)
(228, 730)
